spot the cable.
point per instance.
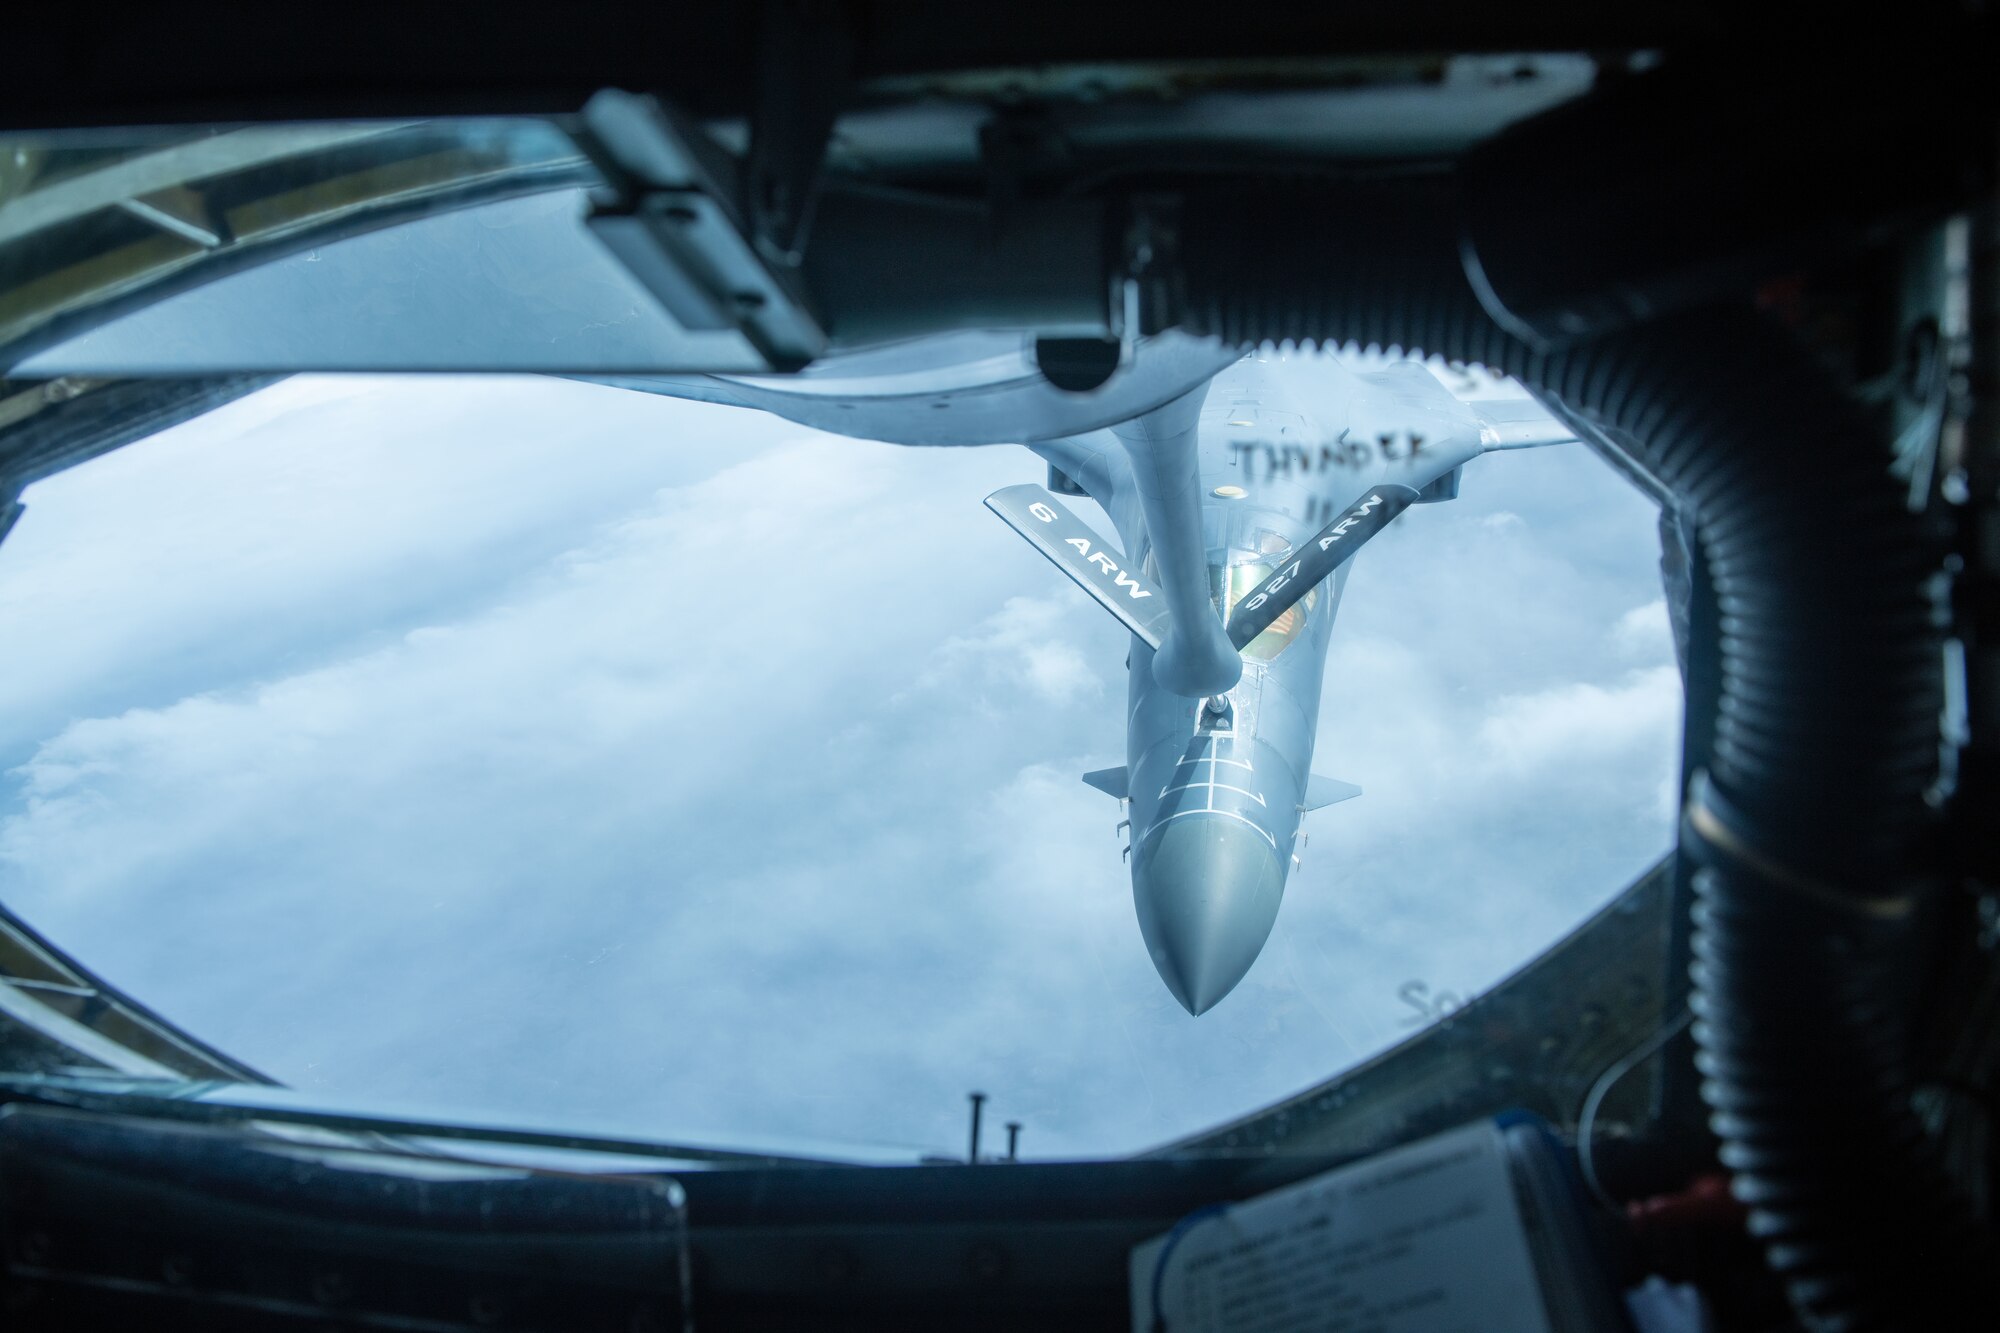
(1586, 1123)
(1180, 1229)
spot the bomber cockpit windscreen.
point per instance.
(1239, 576)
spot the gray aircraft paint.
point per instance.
(1217, 796)
(1162, 447)
(1197, 470)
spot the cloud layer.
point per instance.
(588, 758)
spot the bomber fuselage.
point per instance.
(1218, 785)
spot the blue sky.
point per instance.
(586, 758)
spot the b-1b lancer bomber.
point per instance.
(1238, 491)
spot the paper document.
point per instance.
(1422, 1239)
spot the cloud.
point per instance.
(322, 512)
(1645, 631)
(1579, 723)
(1018, 643)
(639, 765)
(1513, 750)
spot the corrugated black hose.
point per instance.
(1813, 811)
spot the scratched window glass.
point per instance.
(568, 756)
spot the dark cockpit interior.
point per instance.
(1751, 260)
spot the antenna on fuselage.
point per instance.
(978, 1105)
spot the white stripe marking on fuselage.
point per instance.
(1212, 787)
(1226, 814)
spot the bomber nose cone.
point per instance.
(1207, 889)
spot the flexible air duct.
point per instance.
(1813, 811)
